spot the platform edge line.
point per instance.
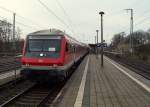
(131, 77)
(79, 98)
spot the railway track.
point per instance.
(30, 94)
(35, 96)
(140, 68)
(9, 90)
(9, 63)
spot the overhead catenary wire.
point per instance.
(18, 15)
(25, 25)
(141, 21)
(53, 13)
(10, 11)
(17, 22)
(5, 9)
(144, 13)
(134, 3)
(29, 20)
(66, 14)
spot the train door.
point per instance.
(74, 53)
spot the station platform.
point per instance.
(110, 86)
(9, 76)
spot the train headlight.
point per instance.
(27, 65)
(55, 65)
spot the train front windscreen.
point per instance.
(43, 46)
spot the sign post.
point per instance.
(101, 13)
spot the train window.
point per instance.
(51, 45)
(44, 45)
(35, 45)
(67, 47)
(50, 48)
(72, 48)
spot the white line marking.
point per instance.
(134, 79)
(56, 99)
(9, 74)
(78, 102)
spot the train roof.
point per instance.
(48, 32)
(57, 32)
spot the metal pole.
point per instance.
(95, 45)
(131, 31)
(97, 41)
(14, 18)
(101, 13)
(14, 46)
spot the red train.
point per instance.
(51, 52)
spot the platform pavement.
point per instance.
(9, 76)
(104, 87)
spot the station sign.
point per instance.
(100, 45)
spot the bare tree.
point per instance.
(6, 36)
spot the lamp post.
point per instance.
(95, 45)
(101, 13)
(131, 31)
(97, 41)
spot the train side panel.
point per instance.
(44, 67)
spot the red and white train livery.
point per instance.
(50, 52)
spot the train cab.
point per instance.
(49, 52)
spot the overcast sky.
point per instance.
(80, 18)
